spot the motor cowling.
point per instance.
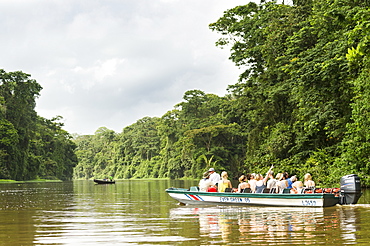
(350, 189)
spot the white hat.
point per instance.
(211, 169)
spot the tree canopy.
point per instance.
(30, 146)
(301, 103)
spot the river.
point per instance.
(139, 212)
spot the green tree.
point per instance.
(19, 93)
(53, 150)
(294, 97)
(30, 146)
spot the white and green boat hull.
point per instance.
(253, 199)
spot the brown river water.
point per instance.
(139, 212)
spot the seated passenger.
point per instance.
(205, 183)
(261, 181)
(297, 185)
(243, 183)
(308, 182)
(224, 182)
(252, 182)
(286, 177)
(281, 183)
(271, 183)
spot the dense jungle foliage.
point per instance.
(302, 103)
(31, 147)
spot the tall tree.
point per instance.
(30, 146)
(19, 93)
(294, 96)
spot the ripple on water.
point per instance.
(141, 213)
(66, 227)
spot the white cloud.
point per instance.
(110, 63)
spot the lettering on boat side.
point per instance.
(308, 203)
(234, 199)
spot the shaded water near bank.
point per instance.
(139, 212)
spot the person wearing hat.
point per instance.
(205, 182)
(214, 177)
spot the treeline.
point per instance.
(31, 147)
(302, 103)
(182, 143)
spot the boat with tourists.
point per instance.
(348, 193)
(104, 181)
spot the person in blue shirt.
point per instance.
(290, 182)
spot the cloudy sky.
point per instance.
(111, 62)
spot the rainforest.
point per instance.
(31, 147)
(302, 104)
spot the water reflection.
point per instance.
(139, 212)
(261, 225)
(128, 212)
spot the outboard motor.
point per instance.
(350, 189)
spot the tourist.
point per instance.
(252, 182)
(224, 182)
(297, 185)
(308, 182)
(205, 183)
(214, 177)
(286, 177)
(281, 183)
(261, 181)
(243, 183)
(271, 183)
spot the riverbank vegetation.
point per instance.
(29, 181)
(301, 104)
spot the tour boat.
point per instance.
(104, 181)
(349, 193)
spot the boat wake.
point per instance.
(356, 205)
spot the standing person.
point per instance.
(205, 183)
(214, 177)
(224, 183)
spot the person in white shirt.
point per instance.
(308, 182)
(271, 183)
(214, 177)
(281, 183)
(297, 185)
(252, 182)
(205, 183)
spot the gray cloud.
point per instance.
(110, 63)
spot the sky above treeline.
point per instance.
(109, 63)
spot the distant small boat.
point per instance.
(104, 181)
